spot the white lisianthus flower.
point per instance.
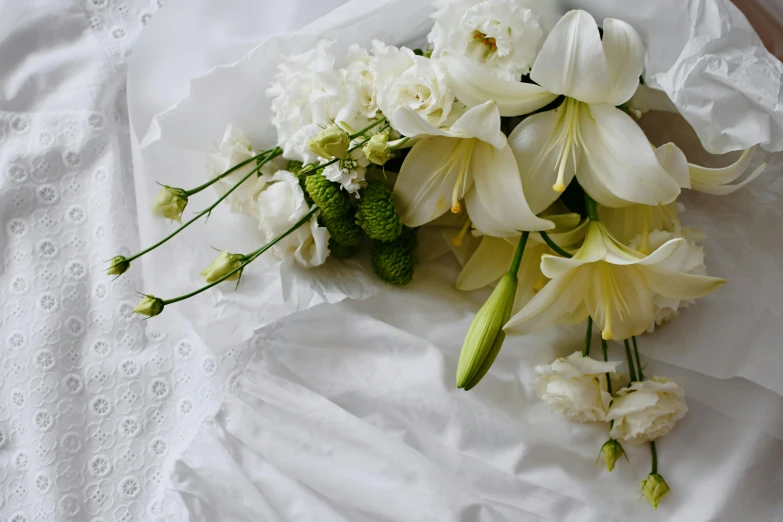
(234, 148)
(404, 79)
(647, 410)
(349, 172)
(309, 93)
(576, 387)
(692, 263)
(360, 75)
(611, 283)
(586, 136)
(281, 205)
(502, 35)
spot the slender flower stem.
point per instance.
(654, 453)
(259, 157)
(399, 144)
(553, 245)
(606, 359)
(638, 360)
(275, 152)
(592, 209)
(588, 337)
(631, 365)
(519, 253)
(360, 132)
(249, 258)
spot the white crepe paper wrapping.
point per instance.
(735, 332)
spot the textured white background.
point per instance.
(91, 408)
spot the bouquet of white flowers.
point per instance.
(516, 131)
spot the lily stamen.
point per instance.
(457, 241)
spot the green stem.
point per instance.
(631, 365)
(249, 258)
(588, 337)
(236, 167)
(654, 453)
(400, 143)
(360, 132)
(275, 152)
(553, 245)
(592, 210)
(606, 359)
(518, 255)
(638, 360)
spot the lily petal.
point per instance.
(424, 187)
(473, 85)
(679, 285)
(408, 123)
(716, 181)
(482, 122)
(500, 189)
(619, 300)
(536, 149)
(624, 53)
(572, 60)
(488, 263)
(619, 166)
(674, 162)
(559, 298)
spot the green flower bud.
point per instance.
(149, 306)
(331, 142)
(377, 149)
(394, 262)
(343, 230)
(340, 251)
(119, 265)
(328, 196)
(654, 488)
(170, 203)
(485, 335)
(225, 263)
(376, 213)
(612, 451)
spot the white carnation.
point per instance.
(692, 263)
(576, 387)
(349, 172)
(360, 75)
(309, 94)
(279, 206)
(404, 79)
(503, 35)
(647, 410)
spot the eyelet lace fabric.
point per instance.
(91, 408)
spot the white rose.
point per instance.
(278, 207)
(233, 149)
(308, 94)
(647, 410)
(576, 387)
(691, 262)
(404, 79)
(503, 35)
(360, 75)
(349, 172)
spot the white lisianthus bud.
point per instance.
(611, 451)
(377, 150)
(170, 203)
(149, 306)
(119, 265)
(223, 265)
(331, 142)
(654, 488)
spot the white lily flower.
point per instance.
(611, 283)
(586, 136)
(470, 160)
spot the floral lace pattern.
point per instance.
(91, 408)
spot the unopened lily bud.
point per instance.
(119, 265)
(485, 335)
(377, 149)
(612, 451)
(654, 488)
(149, 306)
(331, 142)
(170, 203)
(223, 265)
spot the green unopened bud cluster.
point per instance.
(376, 213)
(394, 261)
